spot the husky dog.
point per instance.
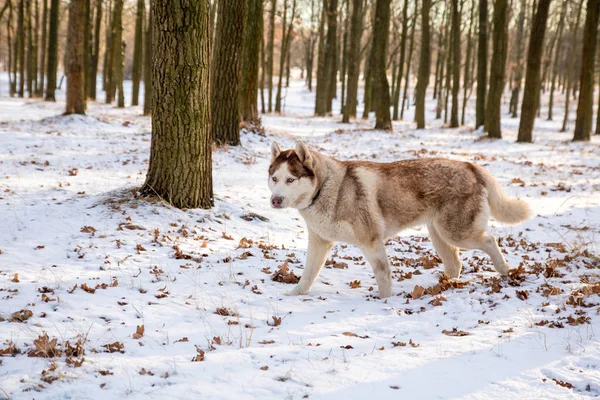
(364, 203)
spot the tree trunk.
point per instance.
(21, 41)
(270, 56)
(148, 86)
(107, 62)
(497, 71)
(532, 74)
(226, 72)
(322, 77)
(443, 52)
(11, 61)
(250, 63)
(424, 66)
(87, 44)
(52, 51)
(571, 67)
(482, 59)
(518, 75)
(330, 53)
(74, 58)
(95, 56)
(42, 65)
(285, 45)
(449, 70)
(118, 53)
(583, 123)
(396, 100)
(456, 63)
(353, 60)
(467, 76)
(556, 59)
(409, 62)
(180, 154)
(262, 74)
(344, 56)
(138, 57)
(381, 29)
(30, 53)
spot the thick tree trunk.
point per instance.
(381, 29)
(532, 74)
(556, 59)
(583, 123)
(424, 66)
(74, 58)
(250, 62)
(354, 60)
(518, 73)
(226, 72)
(138, 56)
(148, 48)
(497, 71)
(118, 53)
(482, 60)
(456, 44)
(52, 65)
(344, 55)
(396, 100)
(87, 44)
(270, 56)
(30, 51)
(180, 154)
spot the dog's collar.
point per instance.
(315, 198)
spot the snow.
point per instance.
(61, 174)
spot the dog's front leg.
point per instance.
(318, 250)
(377, 257)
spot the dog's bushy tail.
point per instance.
(504, 208)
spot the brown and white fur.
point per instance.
(365, 203)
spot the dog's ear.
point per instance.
(304, 154)
(275, 151)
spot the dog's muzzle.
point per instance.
(276, 201)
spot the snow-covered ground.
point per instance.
(86, 263)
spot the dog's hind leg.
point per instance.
(488, 244)
(318, 250)
(447, 252)
(377, 257)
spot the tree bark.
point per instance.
(226, 72)
(381, 29)
(409, 61)
(456, 44)
(95, 55)
(136, 73)
(330, 53)
(21, 37)
(532, 74)
(52, 51)
(270, 56)
(467, 76)
(148, 63)
(322, 77)
(497, 71)
(87, 44)
(42, 64)
(571, 67)
(556, 58)
(180, 154)
(482, 60)
(583, 123)
(118, 53)
(518, 75)
(74, 58)
(250, 63)
(285, 46)
(396, 100)
(354, 60)
(424, 66)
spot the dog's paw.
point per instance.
(297, 291)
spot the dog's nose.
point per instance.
(276, 201)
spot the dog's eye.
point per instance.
(274, 179)
(290, 180)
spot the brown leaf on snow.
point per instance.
(44, 347)
(522, 294)
(226, 236)
(564, 384)
(139, 332)
(73, 171)
(15, 279)
(115, 347)
(88, 289)
(284, 274)
(276, 321)
(245, 243)
(437, 301)
(21, 315)
(199, 355)
(455, 332)
(417, 292)
(225, 312)
(267, 342)
(88, 229)
(354, 284)
(352, 334)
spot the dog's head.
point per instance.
(292, 179)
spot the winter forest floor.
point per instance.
(140, 300)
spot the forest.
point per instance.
(139, 253)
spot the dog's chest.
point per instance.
(328, 227)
